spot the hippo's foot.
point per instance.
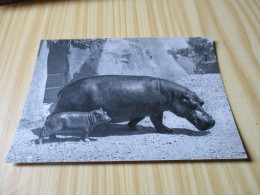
(39, 141)
(164, 129)
(53, 137)
(84, 137)
(85, 140)
(132, 127)
(132, 123)
(157, 122)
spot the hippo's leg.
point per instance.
(41, 136)
(84, 136)
(132, 123)
(157, 122)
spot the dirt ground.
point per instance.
(116, 142)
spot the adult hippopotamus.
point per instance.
(132, 98)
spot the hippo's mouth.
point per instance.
(201, 120)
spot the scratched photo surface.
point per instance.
(126, 99)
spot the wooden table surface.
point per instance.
(233, 24)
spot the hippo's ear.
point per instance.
(200, 101)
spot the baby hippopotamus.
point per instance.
(73, 123)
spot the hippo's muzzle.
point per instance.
(201, 120)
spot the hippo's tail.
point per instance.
(59, 93)
(50, 115)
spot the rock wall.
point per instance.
(76, 58)
(146, 56)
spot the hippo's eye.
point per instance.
(201, 102)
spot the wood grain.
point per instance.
(233, 24)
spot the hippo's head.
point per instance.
(188, 105)
(101, 116)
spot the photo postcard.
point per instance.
(126, 99)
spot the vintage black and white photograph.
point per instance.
(126, 99)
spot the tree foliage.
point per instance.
(202, 48)
(78, 43)
(202, 53)
(87, 43)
